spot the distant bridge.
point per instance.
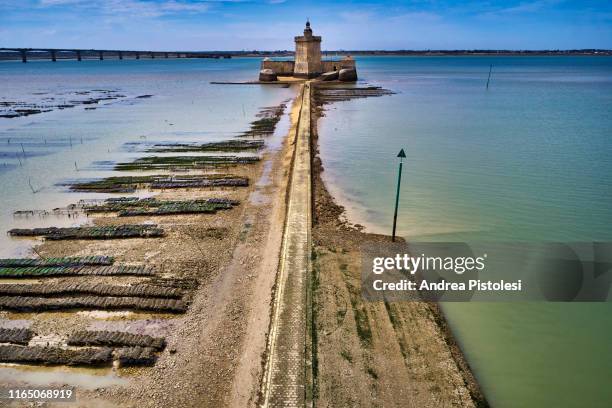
(79, 54)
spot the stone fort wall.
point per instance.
(338, 65)
(282, 68)
(286, 68)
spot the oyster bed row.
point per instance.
(71, 284)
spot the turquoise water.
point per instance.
(528, 160)
(64, 144)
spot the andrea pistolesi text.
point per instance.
(440, 266)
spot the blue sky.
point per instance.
(270, 25)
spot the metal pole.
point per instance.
(399, 179)
(401, 155)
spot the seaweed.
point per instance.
(125, 206)
(53, 271)
(325, 94)
(115, 339)
(129, 184)
(266, 124)
(85, 288)
(136, 356)
(225, 146)
(13, 109)
(98, 232)
(54, 355)
(199, 183)
(183, 283)
(66, 261)
(39, 304)
(184, 162)
(15, 336)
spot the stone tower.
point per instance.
(307, 54)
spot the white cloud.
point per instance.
(357, 16)
(420, 16)
(529, 7)
(59, 2)
(179, 6)
(133, 8)
(522, 8)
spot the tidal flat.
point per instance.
(196, 261)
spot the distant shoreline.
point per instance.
(15, 55)
(577, 52)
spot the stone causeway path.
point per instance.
(286, 375)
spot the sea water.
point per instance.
(40, 151)
(528, 159)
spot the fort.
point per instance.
(308, 63)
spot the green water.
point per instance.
(530, 159)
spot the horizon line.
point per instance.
(341, 50)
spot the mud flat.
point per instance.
(179, 319)
(370, 354)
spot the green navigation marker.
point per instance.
(401, 155)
